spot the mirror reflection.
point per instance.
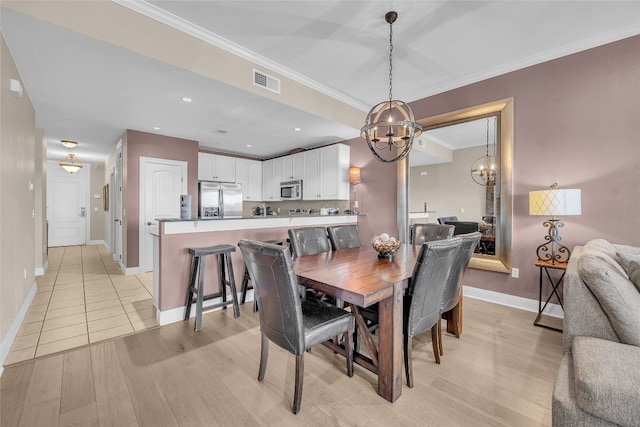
(457, 169)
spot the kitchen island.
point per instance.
(172, 261)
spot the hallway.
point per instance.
(82, 298)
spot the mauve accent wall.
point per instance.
(577, 123)
(143, 144)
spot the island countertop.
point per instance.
(180, 226)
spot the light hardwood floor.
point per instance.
(82, 298)
(500, 372)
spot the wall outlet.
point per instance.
(461, 210)
(515, 272)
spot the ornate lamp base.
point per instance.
(553, 250)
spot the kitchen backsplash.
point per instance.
(314, 205)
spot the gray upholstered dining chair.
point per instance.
(451, 296)
(293, 323)
(343, 236)
(309, 241)
(422, 299)
(420, 233)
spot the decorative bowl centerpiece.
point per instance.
(385, 245)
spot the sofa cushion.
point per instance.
(631, 265)
(618, 297)
(606, 378)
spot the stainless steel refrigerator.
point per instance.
(218, 200)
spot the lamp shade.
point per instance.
(354, 175)
(555, 202)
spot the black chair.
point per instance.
(464, 227)
(423, 297)
(292, 323)
(444, 219)
(309, 241)
(343, 236)
(420, 233)
(451, 296)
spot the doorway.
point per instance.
(67, 201)
(162, 182)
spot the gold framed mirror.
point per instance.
(500, 196)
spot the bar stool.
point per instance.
(225, 269)
(246, 278)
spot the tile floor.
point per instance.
(82, 298)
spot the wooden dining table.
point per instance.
(360, 278)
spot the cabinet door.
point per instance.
(269, 186)
(255, 180)
(297, 166)
(311, 181)
(334, 170)
(205, 167)
(224, 169)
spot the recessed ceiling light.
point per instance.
(297, 129)
(249, 145)
(156, 128)
(186, 99)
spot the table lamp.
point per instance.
(554, 202)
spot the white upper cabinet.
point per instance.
(212, 167)
(270, 180)
(326, 173)
(249, 174)
(292, 167)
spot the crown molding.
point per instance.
(207, 36)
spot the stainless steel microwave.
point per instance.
(291, 190)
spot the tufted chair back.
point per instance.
(420, 233)
(309, 241)
(343, 236)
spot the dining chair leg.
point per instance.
(297, 396)
(348, 346)
(440, 337)
(434, 340)
(264, 355)
(408, 368)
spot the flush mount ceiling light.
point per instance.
(390, 125)
(68, 144)
(70, 163)
(483, 170)
(186, 99)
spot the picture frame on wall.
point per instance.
(105, 197)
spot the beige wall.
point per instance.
(17, 226)
(448, 187)
(40, 202)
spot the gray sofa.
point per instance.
(598, 382)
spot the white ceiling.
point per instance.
(87, 90)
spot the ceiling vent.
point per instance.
(266, 81)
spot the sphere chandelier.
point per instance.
(390, 126)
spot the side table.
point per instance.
(546, 267)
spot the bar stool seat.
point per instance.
(225, 278)
(246, 278)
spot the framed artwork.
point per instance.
(105, 196)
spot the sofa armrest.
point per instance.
(607, 375)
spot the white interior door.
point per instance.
(161, 184)
(66, 206)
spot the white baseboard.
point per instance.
(554, 310)
(177, 314)
(96, 242)
(41, 270)
(130, 271)
(12, 333)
